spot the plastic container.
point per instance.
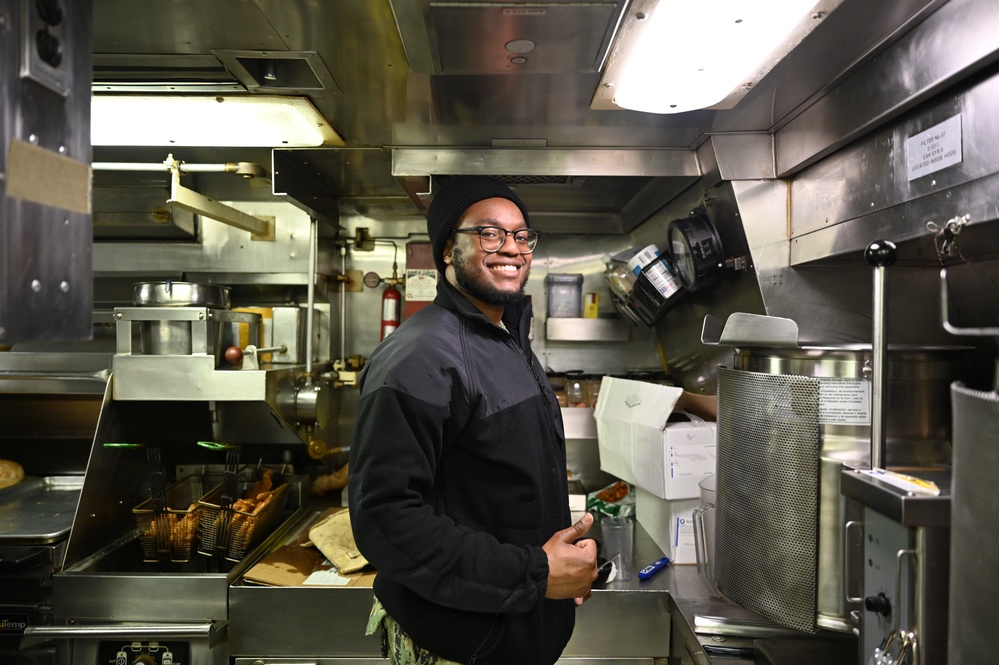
(619, 277)
(565, 295)
(593, 382)
(575, 388)
(650, 262)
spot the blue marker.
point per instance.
(653, 568)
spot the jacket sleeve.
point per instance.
(393, 464)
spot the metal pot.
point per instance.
(180, 294)
(918, 386)
(174, 337)
(790, 418)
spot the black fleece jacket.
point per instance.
(457, 478)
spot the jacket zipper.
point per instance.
(544, 393)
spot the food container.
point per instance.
(565, 295)
(164, 336)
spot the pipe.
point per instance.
(246, 169)
(879, 255)
(343, 303)
(309, 316)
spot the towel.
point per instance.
(333, 537)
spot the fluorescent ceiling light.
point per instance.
(208, 120)
(676, 55)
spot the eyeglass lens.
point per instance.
(491, 238)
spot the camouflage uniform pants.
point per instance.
(396, 644)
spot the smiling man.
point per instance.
(458, 487)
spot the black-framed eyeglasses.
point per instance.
(491, 238)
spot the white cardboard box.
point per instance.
(637, 445)
(669, 524)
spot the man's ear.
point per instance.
(448, 246)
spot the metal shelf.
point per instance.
(558, 329)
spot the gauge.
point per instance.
(371, 279)
(695, 251)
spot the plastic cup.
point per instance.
(704, 534)
(619, 544)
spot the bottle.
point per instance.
(620, 279)
(575, 388)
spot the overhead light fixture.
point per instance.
(209, 120)
(673, 56)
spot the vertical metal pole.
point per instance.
(879, 254)
(309, 314)
(343, 303)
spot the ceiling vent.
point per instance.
(280, 72)
(504, 37)
(564, 180)
(137, 72)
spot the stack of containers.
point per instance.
(656, 287)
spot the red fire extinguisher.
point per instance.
(391, 310)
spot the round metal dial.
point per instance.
(371, 280)
(695, 251)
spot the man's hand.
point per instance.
(572, 563)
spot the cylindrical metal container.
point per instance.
(918, 385)
(789, 420)
(173, 337)
(974, 542)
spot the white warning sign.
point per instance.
(844, 402)
(936, 148)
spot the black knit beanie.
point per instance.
(455, 197)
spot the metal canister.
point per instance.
(171, 337)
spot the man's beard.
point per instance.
(478, 289)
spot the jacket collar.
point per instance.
(516, 315)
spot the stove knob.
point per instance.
(878, 603)
(121, 658)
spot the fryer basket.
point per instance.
(171, 536)
(233, 530)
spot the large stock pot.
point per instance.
(790, 419)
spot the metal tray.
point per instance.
(39, 511)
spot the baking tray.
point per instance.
(39, 511)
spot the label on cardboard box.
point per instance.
(669, 524)
(638, 445)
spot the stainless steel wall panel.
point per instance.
(224, 249)
(550, 161)
(46, 291)
(864, 185)
(956, 39)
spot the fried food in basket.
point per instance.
(265, 484)
(182, 528)
(245, 510)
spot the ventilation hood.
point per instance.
(421, 90)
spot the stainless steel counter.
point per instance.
(624, 622)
